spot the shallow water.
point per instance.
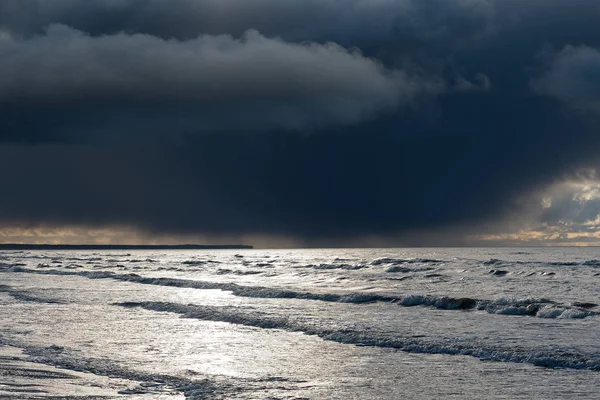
(319, 324)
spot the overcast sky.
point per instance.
(300, 122)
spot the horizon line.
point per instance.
(32, 246)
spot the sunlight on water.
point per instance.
(360, 324)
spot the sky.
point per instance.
(300, 123)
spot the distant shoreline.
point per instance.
(123, 247)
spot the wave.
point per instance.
(397, 261)
(152, 384)
(226, 271)
(136, 261)
(268, 264)
(149, 383)
(498, 272)
(348, 267)
(541, 308)
(402, 269)
(586, 263)
(550, 357)
(404, 265)
(200, 262)
(25, 296)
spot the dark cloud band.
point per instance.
(573, 76)
(166, 116)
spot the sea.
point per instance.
(427, 323)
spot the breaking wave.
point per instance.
(226, 271)
(541, 308)
(146, 384)
(22, 295)
(199, 262)
(398, 261)
(149, 383)
(586, 263)
(550, 357)
(347, 267)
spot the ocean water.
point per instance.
(301, 324)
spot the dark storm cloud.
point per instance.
(291, 19)
(573, 76)
(143, 114)
(371, 179)
(225, 83)
(427, 22)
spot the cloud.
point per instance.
(573, 207)
(573, 77)
(223, 83)
(428, 134)
(291, 19)
(565, 212)
(437, 23)
(415, 25)
(379, 178)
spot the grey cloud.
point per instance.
(347, 21)
(438, 20)
(479, 83)
(573, 77)
(220, 82)
(412, 24)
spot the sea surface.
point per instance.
(510, 323)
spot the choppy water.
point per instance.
(297, 324)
